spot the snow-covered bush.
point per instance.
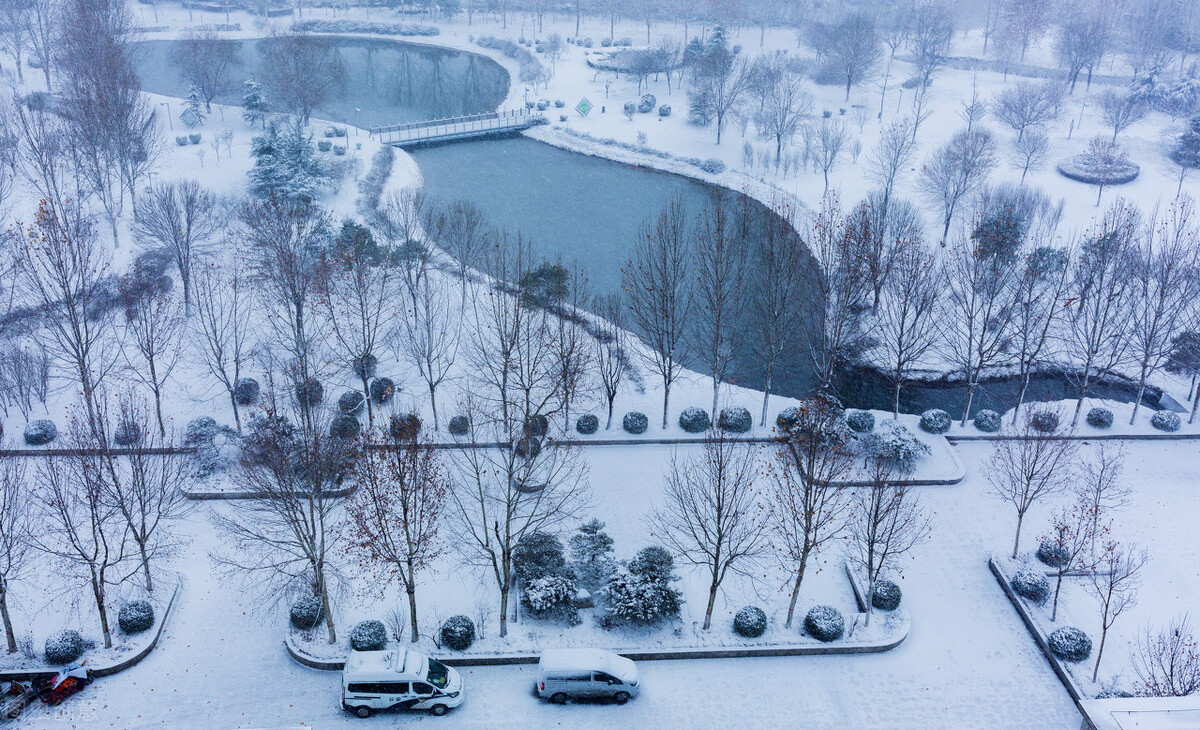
(365, 26)
(181, 140)
(306, 613)
(639, 599)
(194, 137)
(694, 420)
(245, 391)
(458, 633)
(935, 420)
(750, 622)
(537, 555)
(310, 392)
(1165, 421)
(987, 421)
(324, 145)
(127, 433)
(1032, 585)
(647, 103)
(860, 421)
(1053, 554)
(787, 419)
(64, 647)
(1045, 421)
(887, 596)
(344, 426)
(664, 110)
(606, 42)
(1100, 418)
(635, 422)
(591, 554)
(528, 446)
(892, 441)
(351, 402)
(551, 596)
(39, 432)
(824, 623)
(537, 425)
(460, 425)
(735, 419)
(712, 166)
(653, 562)
(368, 636)
(382, 390)
(630, 109)
(360, 242)
(1070, 644)
(135, 617)
(200, 431)
(370, 188)
(587, 424)
(404, 426)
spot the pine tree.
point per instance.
(591, 551)
(254, 104)
(1186, 152)
(195, 102)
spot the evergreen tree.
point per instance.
(591, 551)
(1186, 152)
(254, 104)
(195, 102)
(286, 166)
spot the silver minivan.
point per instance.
(586, 674)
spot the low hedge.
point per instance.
(987, 421)
(1032, 585)
(135, 617)
(694, 420)
(1165, 421)
(64, 647)
(860, 421)
(750, 622)
(1070, 644)
(587, 424)
(935, 420)
(368, 636)
(1100, 418)
(306, 613)
(887, 596)
(635, 422)
(824, 623)
(458, 633)
(460, 425)
(735, 419)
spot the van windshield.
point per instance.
(439, 674)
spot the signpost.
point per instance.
(189, 118)
(583, 107)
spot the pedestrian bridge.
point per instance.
(453, 129)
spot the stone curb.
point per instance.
(1091, 437)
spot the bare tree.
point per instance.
(16, 535)
(718, 82)
(830, 137)
(302, 72)
(1031, 152)
(207, 63)
(611, 350)
(1070, 536)
(14, 33)
(223, 304)
(778, 258)
(1039, 292)
(1024, 21)
(571, 350)
(931, 32)
(713, 516)
(1121, 111)
(885, 229)
(1082, 41)
(154, 327)
(786, 104)
(1027, 104)
(1115, 583)
(1167, 661)
(887, 521)
(854, 49)
(1026, 469)
(842, 300)
(907, 325)
(397, 510)
(809, 507)
(433, 338)
(720, 263)
(43, 24)
(1166, 280)
(658, 282)
(891, 157)
(957, 170)
(466, 236)
(183, 218)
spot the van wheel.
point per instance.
(621, 697)
(558, 698)
(363, 712)
(438, 710)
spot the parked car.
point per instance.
(586, 673)
(398, 679)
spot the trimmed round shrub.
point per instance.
(128, 433)
(382, 390)
(694, 420)
(528, 447)
(735, 419)
(200, 431)
(1100, 418)
(135, 617)
(245, 391)
(41, 431)
(64, 647)
(1053, 555)
(344, 427)
(1044, 421)
(635, 422)
(664, 110)
(824, 623)
(1165, 421)
(587, 424)
(537, 426)
(750, 622)
(1032, 585)
(368, 636)
(987, 421)
(458, 633)
(787, 419)
(404, 426)
(310, 393)
(860, 421)
(460, 425)
(1070, 644)
(887, 596)
(935, 420)
(351, 402)
(364, 367)
(306, 613)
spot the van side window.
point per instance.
(606, 678)
(576, 678)
(366, 688)
(422, 689)
(394, 688)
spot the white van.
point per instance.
(398, 679)
(586, 673)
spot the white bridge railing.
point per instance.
(472, 125)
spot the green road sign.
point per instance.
(583, 107)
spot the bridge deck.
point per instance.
(433, 131)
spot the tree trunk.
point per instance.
(367, 393)
(712, 598)
(1141, 391)
(1100, 650)
(237, 419)
(896, 401)
(1021, 394)
(796, 590)
(414, 634)
(328, 614)
(1057, 588)
(1195, 405)
(8, 627)
(970, 398)
(766, 395)
(608, 425)
(1017, 539)
(98, 594)
(146, 566)
(433, 405)
(666, 401)
(503, 612)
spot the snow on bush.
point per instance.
(551, 596)
(591, 554)
(537, 555)
(200, 431)
(310, 393)
(635, 422)
(404, 426)
(1032, 585)
(1165, 421)
(245, 391)
(1070, 644)
(458, 633)
(750, 622)
(935, 420)
(382, 390)
(1053, 555)
(365, 26)
(351, 402)
(368, 636)
(344, 427)
(306, 613)
(892, 441)
(1044, 421)
(1102, 164)
(987, 421)
(587, 424)
(694, 420)
(528, 446)
(860, 421)
(459, 425)
(712, 166)
(370, 188)
(787, 419)
(664, 110)
(39, 432)
(647, 103)
(824, 623)
(135, 617)
(638, 599)
(1100, 418)
(64, 647)
(735, 419)
(537, 426)
(887, 596)
(127, 433)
